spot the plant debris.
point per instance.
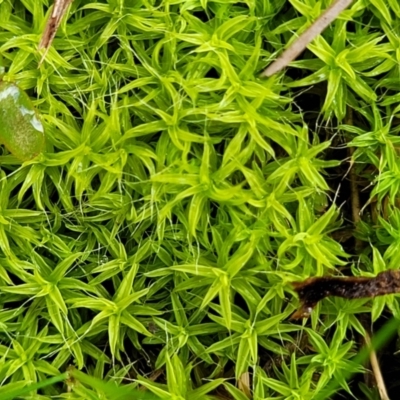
(313, 290)
(59, 9)
(298, 46)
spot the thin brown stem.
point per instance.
(380, 383)
(355, 196)
(356, 211)
(298, 46)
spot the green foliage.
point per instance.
(152, 245)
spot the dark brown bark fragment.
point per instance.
(313, 290)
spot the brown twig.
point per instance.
(52, 24)
(306, 37)
(313, 290)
